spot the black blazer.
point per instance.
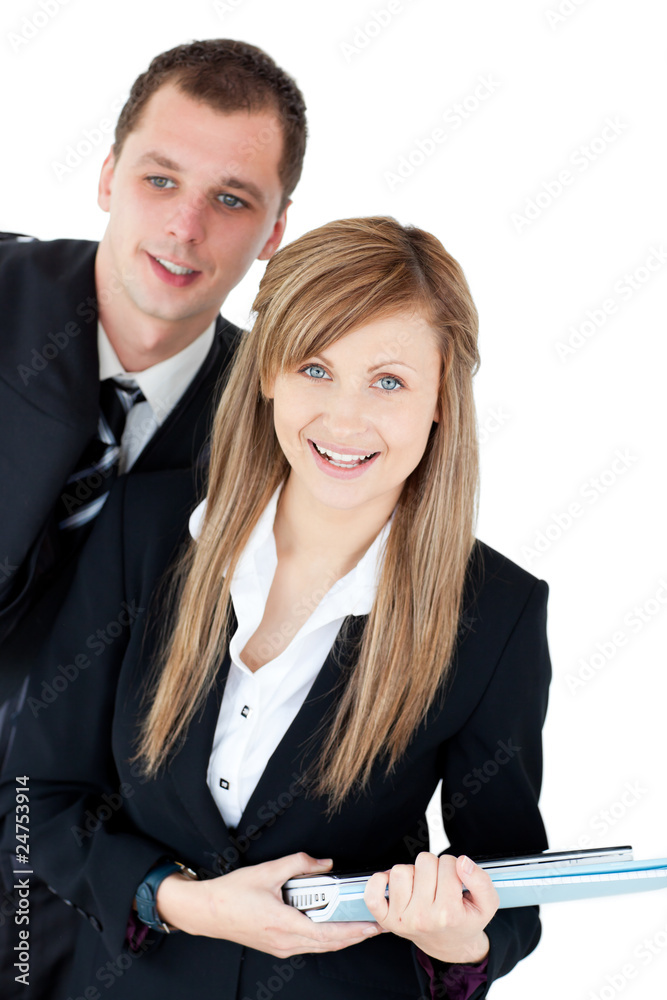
(96, 826)
(49, 401)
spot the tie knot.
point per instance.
(116, 401)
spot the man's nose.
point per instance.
(186, 223)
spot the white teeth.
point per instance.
(342, 461)
(174, 268)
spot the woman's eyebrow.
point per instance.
(373, 368)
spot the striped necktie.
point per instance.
(88, 487)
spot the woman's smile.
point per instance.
(342, 462)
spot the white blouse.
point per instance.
(258, 708)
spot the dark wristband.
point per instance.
(146, 895)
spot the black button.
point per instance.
(245, 711)
(224, 783)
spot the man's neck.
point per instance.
(140, 345)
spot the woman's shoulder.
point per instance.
(498, 586)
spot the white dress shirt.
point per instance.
(162, 384)
(258, 708)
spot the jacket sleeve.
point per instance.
(81, 840)
(492, 773)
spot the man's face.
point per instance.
(193, 200)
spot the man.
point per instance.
(208, 149)
(111, 356)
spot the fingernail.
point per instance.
(468, 866)
(372, 930)
(325, 861)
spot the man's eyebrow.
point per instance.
(241, 185)
(224, 182)
(160, 159)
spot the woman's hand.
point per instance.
(426, 905)
(246, 906)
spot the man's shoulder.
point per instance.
(22, 258)
(47, 300)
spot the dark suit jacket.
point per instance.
(49, 401)
(97, 826)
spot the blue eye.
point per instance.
(314, 371)
(160, 182)
(389, 383)
(230, 200)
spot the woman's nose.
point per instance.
(345, 417)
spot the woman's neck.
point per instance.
(307, 531)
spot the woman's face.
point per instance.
(354, 421)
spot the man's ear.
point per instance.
(106, 182)
(276, 236)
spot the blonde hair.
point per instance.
(324, 285)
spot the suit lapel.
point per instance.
(294, 754)
(301, 744)
(189, 767)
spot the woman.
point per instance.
(334, 642)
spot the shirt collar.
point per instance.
(164, 383)
(353, 594)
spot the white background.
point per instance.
(550, 424)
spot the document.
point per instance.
(520, 881)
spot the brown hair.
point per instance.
(230, 76)
(314, 291)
